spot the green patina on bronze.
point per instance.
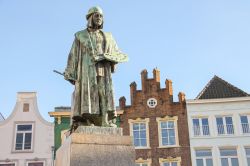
(91, 61)
(64, 125)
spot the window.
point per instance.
(168, 134)
(26, 107)
(23, 140)
(152, 102)
(142, 162)
(170, 161)
(169, 164)
(204, 157)
(229, 157)
(40, 163)
(139, 131)
(225, 125)
(201, 127)
(245, 123)
(248, 156)
(7, 164)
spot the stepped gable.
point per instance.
(219, 88)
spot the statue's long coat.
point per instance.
(81, 68)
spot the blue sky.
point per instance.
(188, 41)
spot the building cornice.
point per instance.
(220, 100)
(221, 137)
(57, 114)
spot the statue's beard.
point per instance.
(96, 27)
(92, 25)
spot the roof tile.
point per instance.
(219, 88)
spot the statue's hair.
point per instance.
(91, 23)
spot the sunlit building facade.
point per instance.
(26, 138)
(219, 125)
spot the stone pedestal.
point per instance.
(96, 146)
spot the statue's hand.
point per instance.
(113, 67)
(72, 82)
(99, 58)
(67, 77)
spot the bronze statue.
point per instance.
(91, 62)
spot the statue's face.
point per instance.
(97, 19)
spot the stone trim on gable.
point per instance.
(31, 99)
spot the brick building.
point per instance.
(158, 124)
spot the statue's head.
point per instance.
(95, 18)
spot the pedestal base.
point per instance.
(96, 146)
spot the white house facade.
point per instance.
(219, 126)
(26, 138)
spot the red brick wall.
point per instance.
(165, 107)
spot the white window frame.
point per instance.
(31, 162)
(229, 157)
(225, 125)
(32, 137)
(171, 160)
(140, 120)
(141, 164)
(142, 161)
(247, 155)
(200, 127)
(204, 158)
(247, 125)
(9, 162)
(168, 119)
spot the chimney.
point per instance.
(181, 97)
(144, 77)
(122, 102)
(133, 88)
(156, 74)
(169, 87)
